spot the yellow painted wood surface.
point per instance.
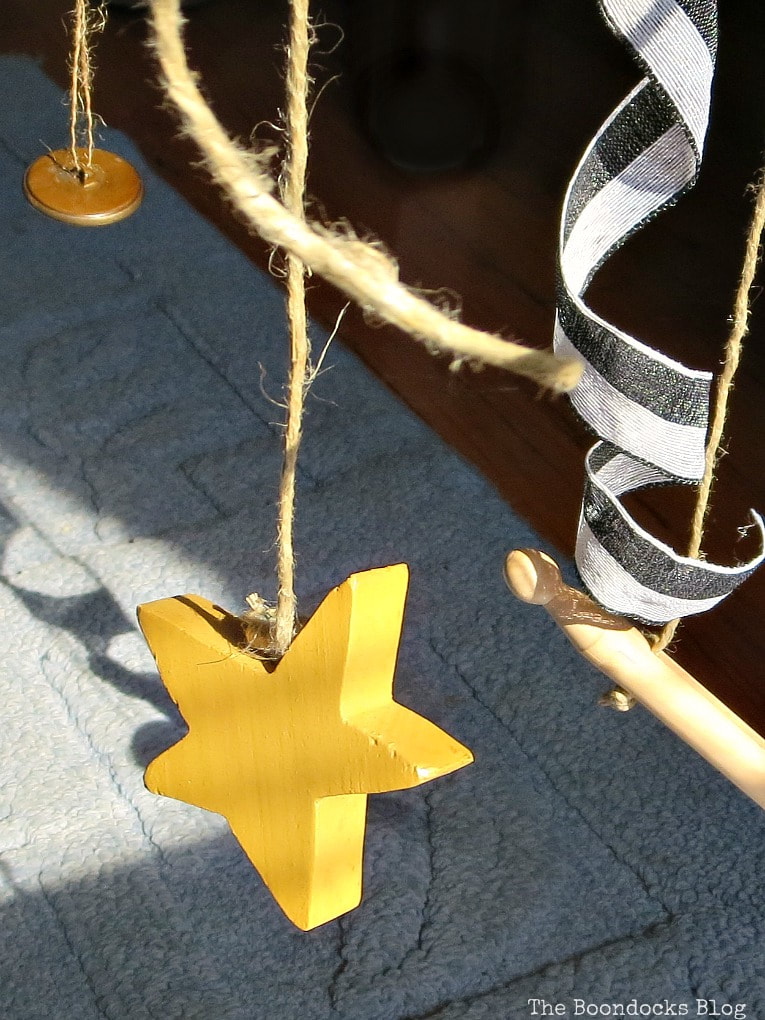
(622, 653)
(288, 754)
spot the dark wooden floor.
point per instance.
(488, 234)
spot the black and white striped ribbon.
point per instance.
(651, 412)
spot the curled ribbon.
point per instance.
(650, 411)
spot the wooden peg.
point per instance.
(104, 192)
(623, 654)
(289, 753)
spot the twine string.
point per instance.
(293, 196)
(361, 270)
(733, 347)
(86, 22)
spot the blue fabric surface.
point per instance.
(585, 854)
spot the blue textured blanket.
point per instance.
(586, 861)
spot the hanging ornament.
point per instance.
(651, 412)
(288, 753)
(81, 184)
(290, 729)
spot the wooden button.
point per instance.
(106, 192)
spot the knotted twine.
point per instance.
(361, 270)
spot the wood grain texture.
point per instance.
(489, 235)
(288, 754)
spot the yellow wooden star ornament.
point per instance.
(288, 754)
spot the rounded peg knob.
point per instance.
(533, 576)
